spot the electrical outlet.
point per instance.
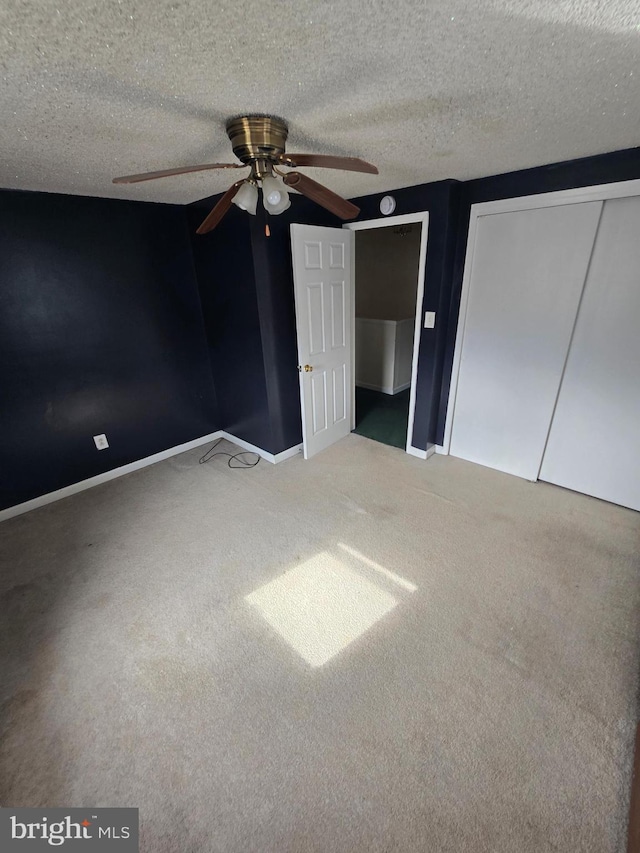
(429, 319)
(101, 441)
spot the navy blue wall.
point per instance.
(256, 271)
(246, 289)
(588, 171)
(224, 263)
(274, 290)
(100, 332)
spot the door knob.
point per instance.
(307, 368)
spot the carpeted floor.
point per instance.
(382, 417)
(362, 652)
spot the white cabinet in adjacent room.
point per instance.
(384, 349)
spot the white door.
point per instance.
(594, 442)
(527, 274)
(323, 292)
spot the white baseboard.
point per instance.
(384, 389)
(415, 451)
(65, 492)
(287, 454)
(269, 457)
(440, 449)
(422, 454)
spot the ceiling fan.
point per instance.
(259, 141)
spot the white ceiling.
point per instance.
(91, 89)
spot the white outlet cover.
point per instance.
(101, 441)
(429, 319)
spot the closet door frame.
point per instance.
(600, 192)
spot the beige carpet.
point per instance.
(363, 652)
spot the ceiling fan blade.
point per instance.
(219, 210)
(326, 161)
(182, 170)
(321, 195)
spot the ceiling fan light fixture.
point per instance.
(258, 141)
(247, 198)
(275, 197)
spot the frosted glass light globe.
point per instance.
(275, 198)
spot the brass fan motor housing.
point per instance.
(257, 137)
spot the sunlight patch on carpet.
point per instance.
(392, 576)
(321, 606)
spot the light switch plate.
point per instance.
(101, 441)
(429, 319)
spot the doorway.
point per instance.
(389, 262)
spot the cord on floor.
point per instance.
(233, 457)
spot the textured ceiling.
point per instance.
(425, 90)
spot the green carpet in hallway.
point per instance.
(382, 417)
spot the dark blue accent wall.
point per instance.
(100, 332)
(246, 288)
(226, 273)
(262, 280)
(588, 171)
(238, 265)
(276, 307)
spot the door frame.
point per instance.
(578, 195)
(421, 217)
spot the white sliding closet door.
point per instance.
(594, 442)
(528, 271)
